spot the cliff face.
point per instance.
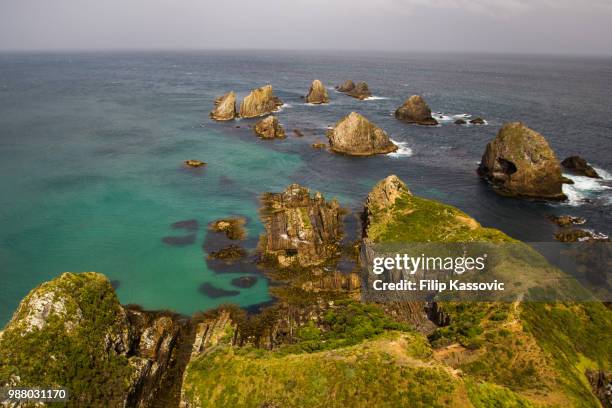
(225, 107)
(356, 136)
(299, 228)
(519, 162)
(317, 93)
(259, 102)
(125, 355)
(415, 110)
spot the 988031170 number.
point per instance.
(35, 394)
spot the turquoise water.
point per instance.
(92, 145)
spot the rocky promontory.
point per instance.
(225, 107)
(269, 128)
(317, 93)
(415, 110)
(354, 135)
(520, 163)
(578, 165)
(72, 332)
(300, 229)
(259, 102)
(360, 90)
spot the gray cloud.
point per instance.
(534, 26)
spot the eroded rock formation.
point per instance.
(360, 90)
(225, 107)
(259, 102)
(519, 162)
(356, 136)
(300, 229)
(269, 128)
(317, 93)
(415, 110)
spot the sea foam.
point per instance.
(585, 188)
(402, 151)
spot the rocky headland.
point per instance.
(520, 163)
(354, 135)
(415, 110)
(259, 102)
(317, 94)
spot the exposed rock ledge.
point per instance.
(356, 136)
(360, 90)
(259, 102)
(520, 163)
(578, 165)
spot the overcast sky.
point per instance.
(524, 26)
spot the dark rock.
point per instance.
(478, 121)
(229, 254)
(188, 225)
(215, 292)
(300, 229)
(356, 136)
(319, 145)
(347, 86)
(298, 132)
(578, 165)
(601, 384)
(580, 235)
(415, 110)
(244, 282)
(565, 220)
(179, 241)
(519, 163)
(460, 122)
(232, 227)
(360, 90)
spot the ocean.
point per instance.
(92, 146)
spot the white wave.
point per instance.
(375, 98)
(440, 117)
(402, 151)
(604, 174)
(585, 188)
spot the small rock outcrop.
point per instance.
(478, 121)
(194, 163)
(360, 90)
(348, 85)
(356, 136)
(233, 227)
(259, 102)
(520, 163)
(578, 165)
(415, 110)
(601, 384)
(460, 122)
(269, 128)
(317, 93)
(300, 229)
(225, 107)
(565, 220)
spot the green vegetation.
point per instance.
(72, 350)
(485, 395)
(371, 374)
